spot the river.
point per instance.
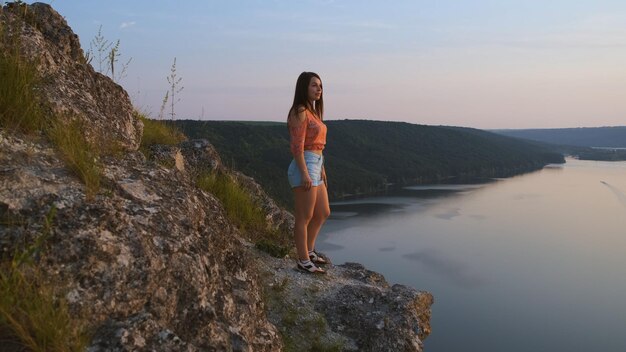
(535, 262)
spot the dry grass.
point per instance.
(158, 132)
(19, 108)
(239, 206)
(78, 154)
(31, 315)
(245, 213)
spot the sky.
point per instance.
(486, 64)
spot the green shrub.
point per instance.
(158, 132)
(78, 154)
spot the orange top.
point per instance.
(309, 134)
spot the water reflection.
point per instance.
(328, 246)
(449, 214)
(540, 250)
(619, 194)
(526, 196)
(338, 214)
(448, 187)
(455, 271)
(347, 210)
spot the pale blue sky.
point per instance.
(484, 64)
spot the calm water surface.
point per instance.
(531, 263)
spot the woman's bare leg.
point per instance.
(304, 207)
(321, 212)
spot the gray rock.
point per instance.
(70, 87)
(349, 309)
(150, 254)
(200, 156)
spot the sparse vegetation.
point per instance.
(273, 247)
(30, 315)
(171, 94)
(158, 132)
(175, 88)
(20, 9)
(301, 329)
(108, 54)
(19, 108)
(78, 154)
(166, 97)
(245, 213)
(239, 206)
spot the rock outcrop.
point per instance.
(201, 156)
(152, 262)
(70, 88)
(348, 309)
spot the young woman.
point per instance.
(306, 173)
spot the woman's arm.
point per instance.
(297, 130)
(306, 179)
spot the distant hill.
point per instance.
(363, 156)
(613, 137)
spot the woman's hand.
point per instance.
(306, 181)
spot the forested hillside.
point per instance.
(364, 156)
(610, 137)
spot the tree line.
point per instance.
(364, 156)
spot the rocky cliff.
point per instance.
(152, 261)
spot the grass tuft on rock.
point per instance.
(32, 317)
(300, 328)
(19, 108)
(273, 247)
(243, 211)
(79, 155)
(239, 206)
(158, 132)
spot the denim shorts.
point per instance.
(313, 163)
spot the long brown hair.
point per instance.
(301, 97)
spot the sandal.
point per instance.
(309, 267)
(316, 258)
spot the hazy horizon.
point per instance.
(505, 65)
(417, 123)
